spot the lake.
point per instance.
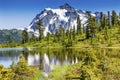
(46, 58)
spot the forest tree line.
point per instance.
(69, 37)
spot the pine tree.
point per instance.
(73, 33)
(48, 37)
(21, 70)
(87, 32)
(79, 27)
(91, 27)
(114, 20)
(104, 22)
(67, 33)
(40, 30)
(25, 36)
(57, 35)
(9, 39)
(101, 21)
(108, 20)
(70, 34)
(33, 37)
(119, 15)
(119, 20)
(88, 35)
(61, 33)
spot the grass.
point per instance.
(58, 73)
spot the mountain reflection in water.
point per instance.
(47, 62)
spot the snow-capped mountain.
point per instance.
(51, 19)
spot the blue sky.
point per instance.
(19, 13)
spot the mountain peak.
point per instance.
(67, 7)
(51, 19)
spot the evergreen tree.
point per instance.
(21, 70)
(9, 39)
(101, 21)
(39, 23)
(88, 35)
(6, 73)
(73, 33)
(79, 27)
(67, 33)
(33, 37)
(48, 37)
(114, 20)
(25, 36)
(106, 33)
(119, 15)
(108, 20)
(91, 27)
(57, 35)
(70, 34)
(104, 22)
(119, 20)
(87, 32)
(61, 33)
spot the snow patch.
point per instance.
(61, 14)
(43, 15)
(48, 9)
(93, 15)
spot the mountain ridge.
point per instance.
(51, 19)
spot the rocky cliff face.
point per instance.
(51, 19)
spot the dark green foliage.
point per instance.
(57, 36)
(84, 75)
(91, 27)
(40, 30)
(100, 65)
(25, 36)
(114, 20)
(79, 26)
(101, 21)
(48, 37)
(96, 32)
(21, 70)
(34, 38)
(6, 73)
(74, 33)
(8, 36)
(62, 33)
(108, 20)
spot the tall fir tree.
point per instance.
(67, 33)
(33, 37)
(88, 26)
(57, 35)
(48, 37)
(104, 22)
(39, 23)
(91, 27)
(25, 36)
(61, 33)
(108, 20)
(101, 21)
(73, 33)
(114, 20)
(79, 27)
(119, 15)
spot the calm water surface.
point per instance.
(46, 59)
